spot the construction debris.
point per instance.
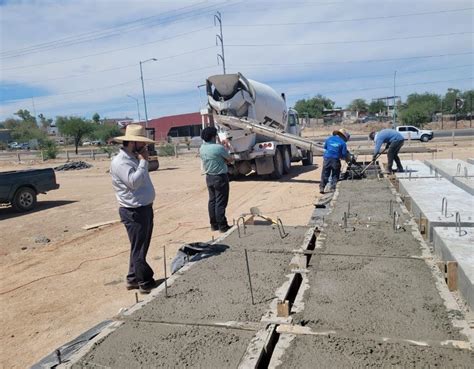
(74, 165)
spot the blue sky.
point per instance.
(81, 57)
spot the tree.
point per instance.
(45, 123)
(25, 115)
(25, 128)
(359, 106)
(74, 127)
(449, 100)
(419, 108)
(103, 132)
(314, 107)
(96, 118)
(376, 107)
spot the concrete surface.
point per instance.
(450, 246)
(366, 285)
(457, 171)
(426, 199)
(470, 160)
(213, 290)
(415, 169)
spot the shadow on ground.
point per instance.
(8, 212)
(290, 177)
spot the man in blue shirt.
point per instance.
(394, 142)
(214, 162)
(335, 150)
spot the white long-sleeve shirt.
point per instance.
(131, 181)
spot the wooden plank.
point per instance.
(101, 224)
(452, 275)
(283, 309)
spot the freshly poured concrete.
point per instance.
(449, 245)
(213, 290)
(360, 294)
(426, 199)
(457, 171)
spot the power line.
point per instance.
(119, 31)
(352, 41)
(347, 61)
(108, 51)
(348, 20)
(115, 68)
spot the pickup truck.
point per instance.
(20, 188)
(413, 133)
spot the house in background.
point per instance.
(181, 125)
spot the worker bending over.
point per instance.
(214, 162)
(335, 149)
(394, 142)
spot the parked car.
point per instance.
(24, 146)
(20, 188)
(86, 143)
(96, 143)
(413, 133)
(13, 145)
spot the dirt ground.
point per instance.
(52, 292)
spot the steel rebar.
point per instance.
(248, 273)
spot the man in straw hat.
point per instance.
(335, 150)
(135, 194)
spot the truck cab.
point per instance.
(413, 133)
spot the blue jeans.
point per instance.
(331, 168)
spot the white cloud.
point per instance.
(82, 85)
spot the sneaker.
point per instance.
(321, 192)
(214, 227)
(146, 289)
(224, 228)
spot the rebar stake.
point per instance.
(166, 277)
(248, 273)
(281, 229)
(344, 218)
(396, 218)
(458, 169)
(238, 226)
(458, 225)
(390, 209)
(465, 172)
(58, 356)
(444, 207)
(136, 297)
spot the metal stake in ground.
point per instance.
(166, 277)
(248, 273)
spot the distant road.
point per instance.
(445, 133)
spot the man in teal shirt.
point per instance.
(214, 161)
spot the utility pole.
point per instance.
(143, 89)
(138, 107)
(394, 101)
(470, 110)
(442, 121)
(220, 39)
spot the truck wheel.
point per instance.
(425, 138)
(24, 200)
(278, 165)
(286, 160)
(308, 160)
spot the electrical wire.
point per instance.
(349, 20)
(352, 41)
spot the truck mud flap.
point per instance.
(264, 165)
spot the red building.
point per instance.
(181, 125)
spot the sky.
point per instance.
(78, 57)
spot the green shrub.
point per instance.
(49, 149)
(166, 150)
(109, 150)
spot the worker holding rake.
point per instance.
(335, 149)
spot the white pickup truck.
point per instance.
(413, 133)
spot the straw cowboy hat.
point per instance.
(135, 133)
(342, 133)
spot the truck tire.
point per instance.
(286, 160)
(425, 138)
(278, 165)
(308, 160)
(24, 200)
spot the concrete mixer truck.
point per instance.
(255, 125)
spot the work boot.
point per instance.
(224, 228)
(132, 285)
(214, 227)
(146, 288)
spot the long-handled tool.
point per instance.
(372, 162)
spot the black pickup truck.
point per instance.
(20, 188)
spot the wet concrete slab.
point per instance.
(369, 283)
(459, 172)
(427, 201)
(212, 291)
(138, 345)
(313, 352)
(453, 245)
